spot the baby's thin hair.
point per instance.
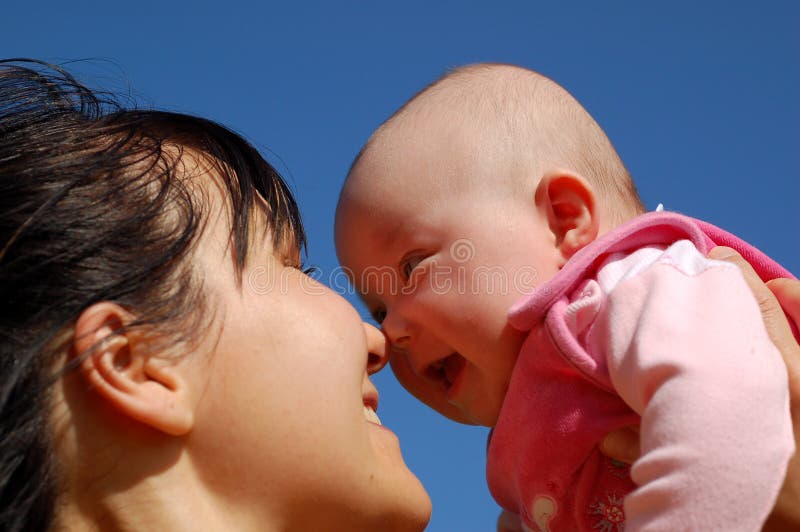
(537, 120)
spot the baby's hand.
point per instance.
(622, 444)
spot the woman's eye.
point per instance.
(379, 315)
(300, 265)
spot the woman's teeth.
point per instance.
(371, 416)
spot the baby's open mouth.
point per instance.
(446, 370)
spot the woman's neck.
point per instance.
(167, 500)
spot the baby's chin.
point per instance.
(483, 411)
(484, 417)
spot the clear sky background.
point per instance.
(700, 99)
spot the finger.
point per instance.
(766, 300)
(622, 445)
(771, 311)
(788, 293)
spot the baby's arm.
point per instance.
(689, 352)
(623, 444)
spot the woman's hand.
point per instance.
(777, 299)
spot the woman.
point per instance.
(166, 363)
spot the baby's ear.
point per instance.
(121, 369)
(569, 203)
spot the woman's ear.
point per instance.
(569, 203)
(133, 380)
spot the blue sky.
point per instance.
(700, 99)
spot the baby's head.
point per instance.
(477, 190)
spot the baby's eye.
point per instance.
(408, 265)
(379, 314)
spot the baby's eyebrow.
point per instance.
(388, 239)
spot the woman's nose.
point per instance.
(378, 348)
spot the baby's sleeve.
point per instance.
(687, 349)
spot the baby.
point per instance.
(496, 235)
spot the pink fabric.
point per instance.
(665, 335)
(765, 267)
(650, 228)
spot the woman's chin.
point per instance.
(423, 507)
(411, 511)
(410, 501)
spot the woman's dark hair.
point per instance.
(94, 207)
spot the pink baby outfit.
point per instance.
(640, 327)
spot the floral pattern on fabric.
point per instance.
(609, 514)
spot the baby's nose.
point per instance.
(396, 329)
